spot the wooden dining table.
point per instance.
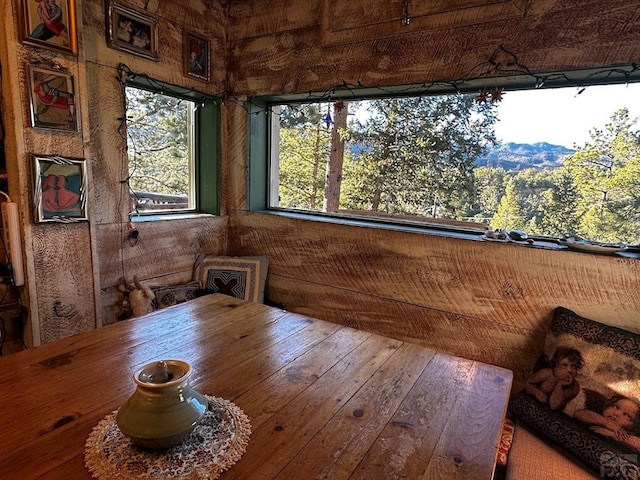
(324, 400)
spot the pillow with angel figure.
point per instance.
(584, 393)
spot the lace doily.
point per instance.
(215, 444)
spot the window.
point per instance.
(548, 161)
(172, 149)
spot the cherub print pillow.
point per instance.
(584, 393)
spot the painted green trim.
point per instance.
(208, 158)
(258, 161)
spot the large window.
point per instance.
(172, 150)
(549, 161)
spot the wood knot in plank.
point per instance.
(64, 359)
(510, 290)
(64, 420)
(60, 423)
(358, 413)
(402, 424)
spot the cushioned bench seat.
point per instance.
(533, 458)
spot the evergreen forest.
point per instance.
(416, 157)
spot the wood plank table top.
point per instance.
(324, 400)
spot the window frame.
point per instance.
(261, 141)
(207, 146)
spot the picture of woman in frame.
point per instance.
(52, 99)
(49, 24)
(51, 15)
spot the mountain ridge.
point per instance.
(514, 156)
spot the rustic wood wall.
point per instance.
(485, 301)
(72, 270)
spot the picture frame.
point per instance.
(49, 24)
(196, 56)
(52, 99)
(132, 31)
(59, 189)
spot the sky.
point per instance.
(560, 116)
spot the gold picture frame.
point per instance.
(59, 189)
(132, 31)
(49, 24)
(52, 99)
(196, 56)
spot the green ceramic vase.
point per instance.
(164, 409)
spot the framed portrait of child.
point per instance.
(196, 55)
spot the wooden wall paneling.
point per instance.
(164, 255)
(553, 35)
(63, 279)
(189, 14)
(233, 182)
(349, 22)
(508, 343)
(51, 294)
(468, 277)
(256, 19)
(163, 247)
(110, 199)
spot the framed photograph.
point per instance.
(49, 24)
(59, 193)
(196, 54)
(132, 31)
(52, 99)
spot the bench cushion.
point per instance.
(168, 295)
(533, 458)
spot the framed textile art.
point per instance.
(59, 189)
(240, 277)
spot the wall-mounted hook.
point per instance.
(405, 14)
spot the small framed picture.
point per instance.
(59, 193)
(52, 99)
(196, 55)
(132, 31)
(49, 24)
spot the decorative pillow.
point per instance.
(584, 393)
(167, 295)
(240, 277)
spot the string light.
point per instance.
(502, 67)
